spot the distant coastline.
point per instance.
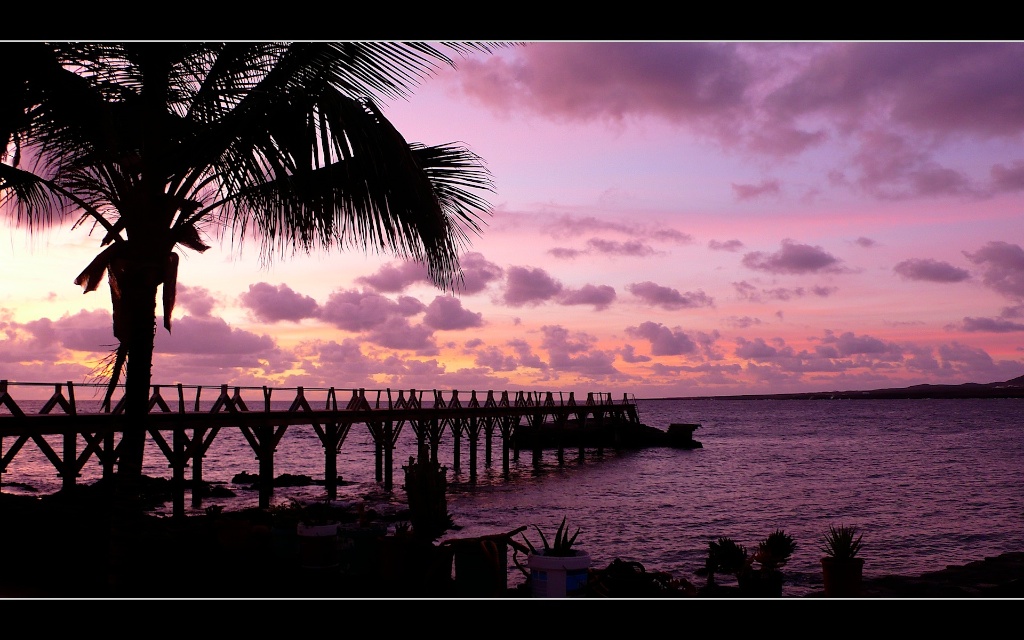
(1009, 389)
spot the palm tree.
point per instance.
(156, 143)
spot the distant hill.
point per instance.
(1009, 389)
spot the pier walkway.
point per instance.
(185, 433)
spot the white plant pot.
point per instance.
(318, 545)
(558, 576)
(317, 530)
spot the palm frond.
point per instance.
(363, 187)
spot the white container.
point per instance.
(318, 545)
(558, 576)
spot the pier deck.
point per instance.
(186, 433)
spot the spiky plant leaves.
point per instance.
(842, 542)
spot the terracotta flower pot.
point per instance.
(760, 583)
(842, 578)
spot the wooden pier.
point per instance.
(185, 434)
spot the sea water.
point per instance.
(929, 483)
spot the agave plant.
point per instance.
(842, 542)
(562, 545)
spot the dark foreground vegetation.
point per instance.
(91, 544)
(86, 545)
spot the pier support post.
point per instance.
(389, 454)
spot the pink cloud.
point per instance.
(848, 344)
(1008, 178)
(30, 370)
(323, 360)
(89, 331)
(742, 322)
(673, 235)
(793, 258)
(611, 247)
(583, 81)
(628, 353)
(991, 325)
(354, 310)
(273, 304)
(669, 298)
(211, 336)
(478, 273)
(960, 361)
(396, 277)
(600, 246)
(746, 291)
(936, 87)
(409, 373)
(781, 99)
(664, 341)
(447, 313)
(494, 359)
(726, 245)
(395, 332)
(44, 340)
(348, 353)
(573, 352)
(750, 191)
(599, 296)
(571, 226)
(758, 349)
(565, 253)
(527, 358)
(782, 293)
(894, 167)
(708, 344)
(781, 139)
(921, 358)
(961, 356)
(930, 270)
(196, 300)
(1003, 265)
(529, 286)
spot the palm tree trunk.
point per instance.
(139, 291)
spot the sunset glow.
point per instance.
(670, 219)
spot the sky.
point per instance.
(669, 219)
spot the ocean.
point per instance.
(929, 483)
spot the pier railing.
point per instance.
(185, 433)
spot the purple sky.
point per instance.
(670, 219)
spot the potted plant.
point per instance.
(841, 569)
(725, 556)
(317, 533)
(481, 563)
(557, 570)
(771, 554)
(757, 574)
